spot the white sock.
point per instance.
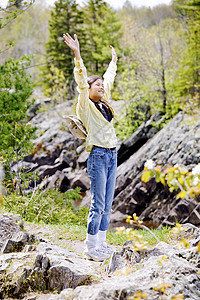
(91, 241)
(101, 237)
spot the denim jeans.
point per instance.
(102, 167)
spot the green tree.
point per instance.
(188, 77)
(163, 48)
(15, 89)
(15, 133)
(136, 109)
(148, 17)
(59, 85)
(157, 51)
(28, 32)
(65, 17)
(102, 29)
(11, 12)
(153, 45)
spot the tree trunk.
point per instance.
(163, 91)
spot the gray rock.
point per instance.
(53, 268)
(39, 267)
(82, 159)
(118, 218)
(55, 147)
(161, 265)
(63, 268)
(24, 166)
(86, 200)
(81, 180)
(80, 149)
(175, 143)
(146, 131)
(17, 243)
(9, 225)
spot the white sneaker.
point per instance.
(105, 248)
(96, 254)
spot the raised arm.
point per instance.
(114, 55)
(72, 44)
(80, 75)
(80, 72)
(109, 75)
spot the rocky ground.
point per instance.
(40, 262)
(52, 235)
(36, 264)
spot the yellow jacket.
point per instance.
(100, 131)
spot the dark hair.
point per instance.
(92, 79)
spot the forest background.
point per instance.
(158, 66)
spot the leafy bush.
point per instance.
(133, 116)
(178, 178)
(15, 133)
(15, 89)
(49, 207)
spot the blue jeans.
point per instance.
(102, 167)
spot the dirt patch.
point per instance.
(55, 235)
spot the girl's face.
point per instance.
(96, 91)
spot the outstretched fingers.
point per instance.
(114, 54)
(67, 38)
(72, 43)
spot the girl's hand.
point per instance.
(73, 44)
(114, 55)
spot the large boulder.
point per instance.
(29, 263)
(139, 137)
(175, 143)
(56, 150)
(44, 267)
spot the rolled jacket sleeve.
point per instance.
(80, 74)
(82, 108)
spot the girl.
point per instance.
(101, 141)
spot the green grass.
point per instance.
(162, 234)
(47, 207)
(55, 211)
(78, 232)
(71, 232)
(115, 238)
